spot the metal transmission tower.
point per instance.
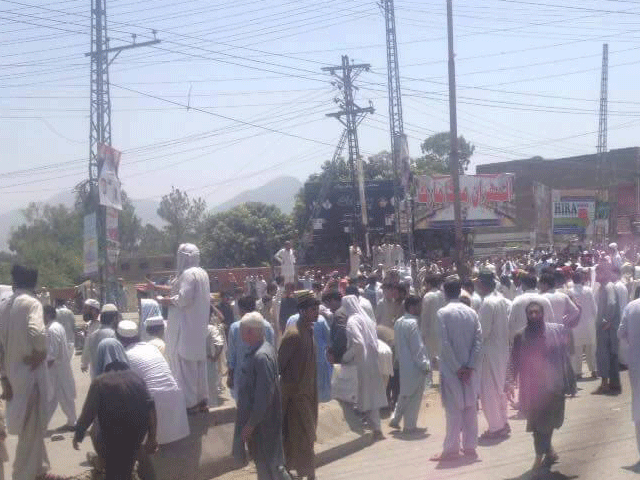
(100, 130)
(604, 170)
(350, 115)
(402, 189)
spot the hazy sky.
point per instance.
(528, 84)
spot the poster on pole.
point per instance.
(108, 181)
(573, 212)
(113, 237)
(486, 201)
(90, 245)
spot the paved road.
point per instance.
(596, 442)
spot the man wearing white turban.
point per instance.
(188, 301)
(362, 350)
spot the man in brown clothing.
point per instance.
(297, 361)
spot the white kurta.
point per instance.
(518, 315)
(622, 295)
(171, 408)
(494, 319)
(564, 310)
(354, 261)
(362, 350)
(61, 379)
(22, 331)
(460, 346)
(287, 261)
(431, 303)
(67, 319)
(367, 307)
(187, 332)
(629, 333)
(585, 332)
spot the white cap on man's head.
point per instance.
(127, 329)
(93, 303)
(154, 322)
(109, 308)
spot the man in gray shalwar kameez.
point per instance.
(259, 408)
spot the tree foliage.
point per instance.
(183, 216)
(130, 226)
(51, 241)
(248, 234)
(436, 150)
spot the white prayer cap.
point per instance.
(109, 308)
(252, 320)
(613, 246)
(157, 321)
(127, 329)
(90, 302)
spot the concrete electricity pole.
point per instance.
(351, 115)
(454, 162)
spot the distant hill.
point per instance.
(279, 192)
(145, 209)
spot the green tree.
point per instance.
(436, 150)
(183, 216)
(130, 225)
(51, 241)
(153, 241)
(248, 234)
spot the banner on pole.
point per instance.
(113, 237)
(90, 245)
(487, 201)
(108, 182)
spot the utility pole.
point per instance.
(605, 179)
(454, 162)
(100, 133)
(351, 115)
(399, 149)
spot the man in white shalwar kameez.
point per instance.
(564, 310)
(187, 324)
(355, 254)
(362, 350)
(460, 355)
(23, 341)
(150, 365)
(494, 320)
(414, 366)
(432, 302)
(518, 315)
(287, 259)
(67, 319)
(584, 334)
(63, 385)
(629, 333)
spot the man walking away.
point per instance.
(259, 409)
(297, 362)
(414, 366)
(584, 335)
(23, 339)
(607, 323)
(60, 374)
(494, 320)
(537, 359)
(67, 319)
(460, 349)
(108, 320)
(432, 302)
(122, 405)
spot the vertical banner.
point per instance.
(108, 182)
(90, 245)
(404, 164)
(113, 239)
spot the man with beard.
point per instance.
(538, 357)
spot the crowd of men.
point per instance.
(510, 325)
